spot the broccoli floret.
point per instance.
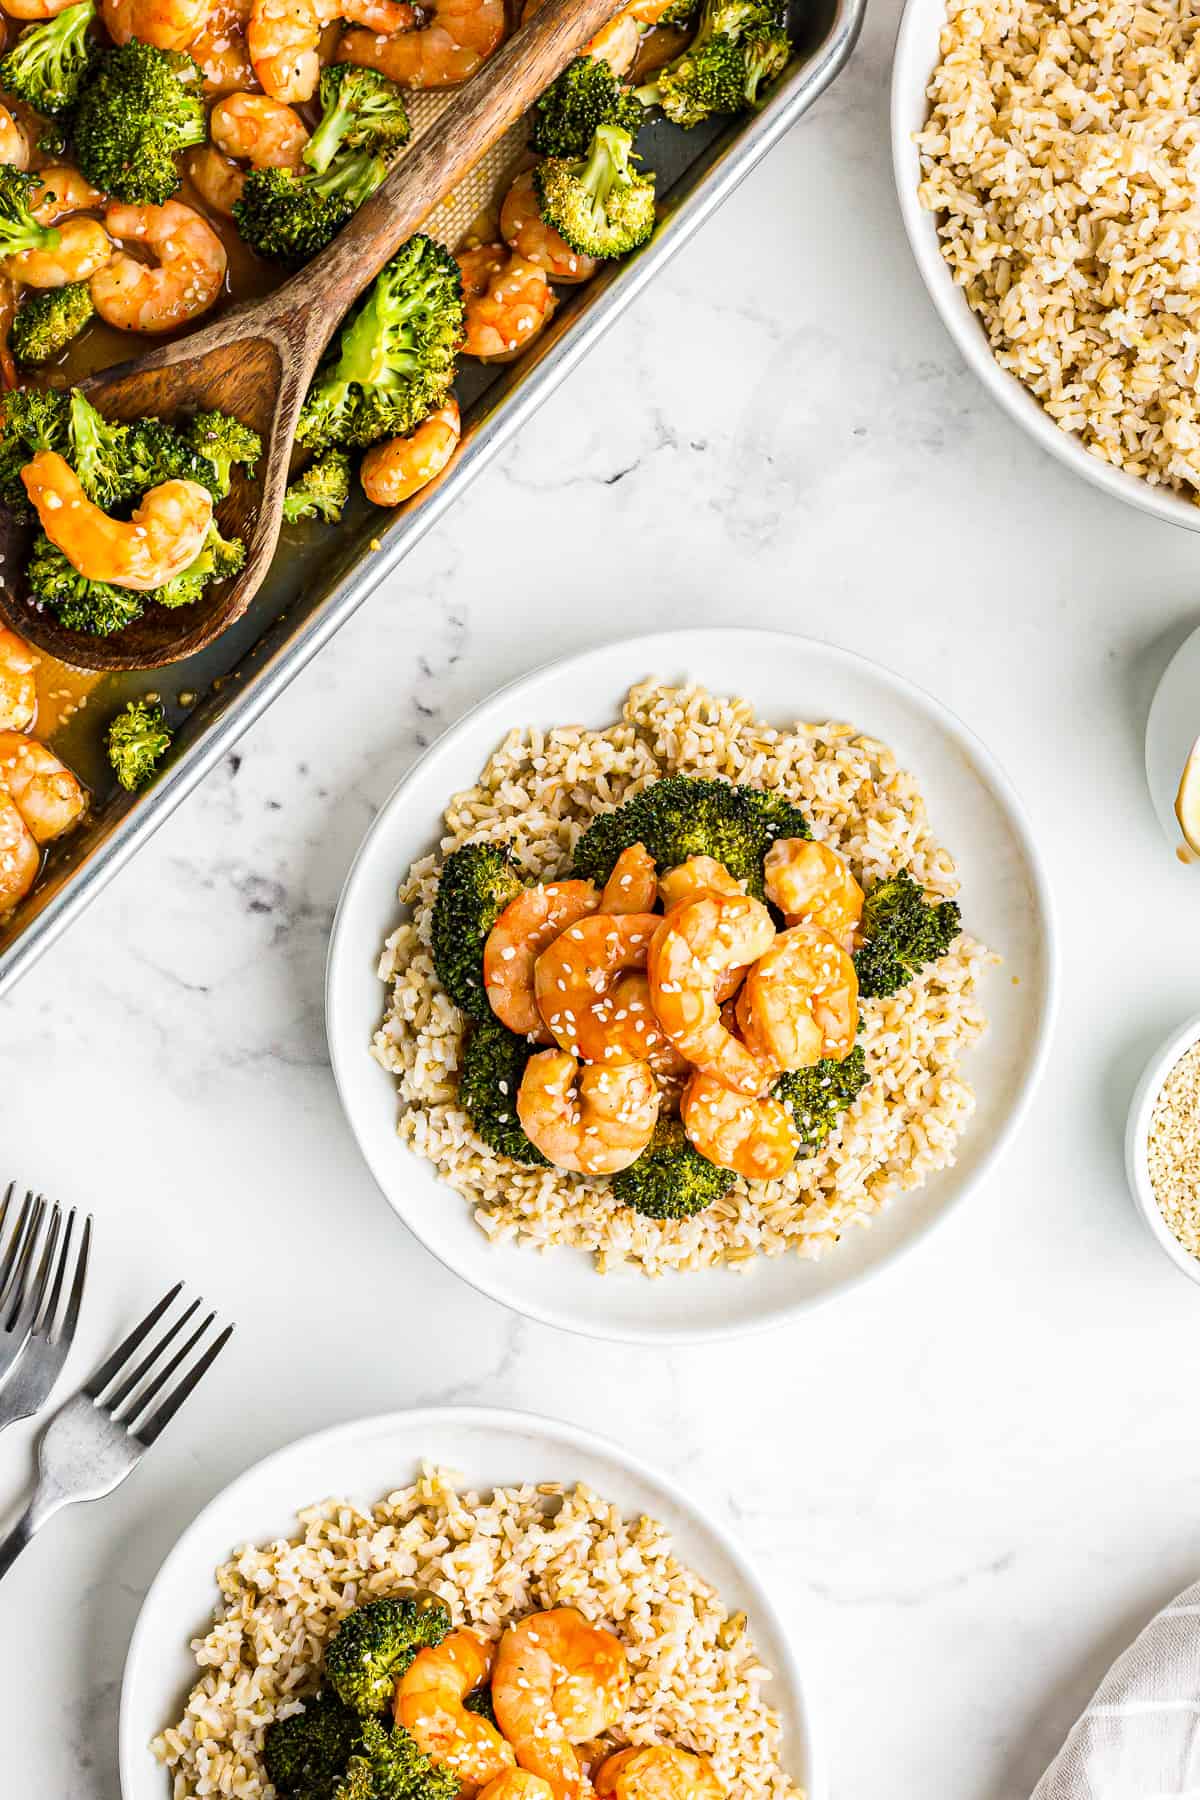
(19, 230)
(361, 110)
(680, 13)
(323, 489)
(305, 1755)
(780, 818)
(137, 740)
(373, 1646)
(48, 320)
(389, 1766)
(135, 114)
(683, 816)
(394, 360)
(30, 420)
(817, 1097)
(587, 94)
(600, 206)
(224, 442)
(476, 884)
(219, 559)
(49, 63)
(156, 452)
(739, 46)
(903, 932)
(287, 218)
(670, 1179)
(100, 456)
(81, 605)
(493, 1065)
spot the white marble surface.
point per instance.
(971, 1482)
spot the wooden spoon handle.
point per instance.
(487, 106)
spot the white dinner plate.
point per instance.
(1005, 900)
(369, 1458)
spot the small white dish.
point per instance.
(365, 1460)
(915, 59)
(1172, 727)
(1006, 903)
(1137, 1131)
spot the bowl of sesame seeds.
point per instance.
(1162, 1147)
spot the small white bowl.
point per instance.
(915, 60)
(1137, 1132)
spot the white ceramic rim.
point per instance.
(571, 1438)
(1137, 1132)
(911, 70)
(973, 749)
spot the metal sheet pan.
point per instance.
(321, 577)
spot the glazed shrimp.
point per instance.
(517, 1784)
(283, 38)
(399, 468)
(14, 145)
(508, 300)
(165, 534)
(752, 1136)
(43, 790)
(166, 24)
(698, 942)
(657, 1772)
(217, 179)
(459, 37)
(560, 1680)
(18, 686)
(698, 875)
(526, 927)
(61, 190)
(35, 9)
(633, 885)
(20, 858)
(590, 1120)
(135, 296)
(574, 979)
(221, 51)
(811, 885)
(429, 1706)
(258, 130)
(800, 1001)
(525, 231)
(82, 251)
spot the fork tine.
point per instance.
(32, 1308)
(46, 1317)
(65, 1332)
(171, 1405)
(116, 1401)
(12, 1255)
(14, 1300)
(113, 1364)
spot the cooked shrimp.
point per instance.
(165, 534)
(167, 24)
(35, 9)
(574, 978)
(459, 37)
(221, 51)
(14, 145)
(217, 179)
(524, 229)
(43, 790)
(560, 1680)
(283, 38)
(377, 15)
(697, 943)
(698, 875)
(429, 1706)
(591, 1120)
(258, 130)
(752, 1136)
(508, 300)
(20, 858)
(82, 251)
(633, 885)
(18, 685)
(136, 296)
(525, 928)
(800, 1000)
(811, 885)
(657, 1772)
(61, 190)
(631, 1031)
(400, 467)
(517, 1784)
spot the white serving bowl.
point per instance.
(915, 59)
(1137, 1131)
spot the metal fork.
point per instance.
(36, 1331)
(20, 1229)
(100, 1436)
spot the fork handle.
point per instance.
(19, 1536)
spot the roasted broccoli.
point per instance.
(670, 1179)
(374, 1644)
(389, 1766)
(137, 740)
(79, 604)
(739, 45)
(682, 816)
(287, 218)
(48, 320)
(493, 1064)
(139, 109)
(587, 94)
(903, 932)
(19, 230)
(601, 205)
(779, 818)
(476, 884)
(322, 491)
(394, 360)
(306, 1754)
(816, 1097)
(361, 110)
(224, 442)
(49, 63)
(30, 420)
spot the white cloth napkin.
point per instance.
(1140, 1736)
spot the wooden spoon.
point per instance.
(257, 361)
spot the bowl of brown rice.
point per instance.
(1162, 1147)
(1047, 179)
(498, 1515)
